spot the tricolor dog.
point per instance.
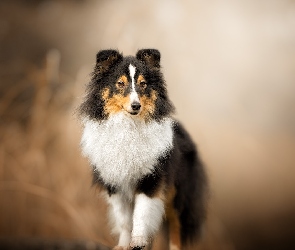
(142, 157)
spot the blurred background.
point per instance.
(230, 71)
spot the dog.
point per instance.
(141, 156)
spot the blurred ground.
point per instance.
(229, 66)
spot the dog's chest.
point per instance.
(123, 149)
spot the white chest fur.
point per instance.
(124, 149)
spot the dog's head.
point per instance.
(133, 85)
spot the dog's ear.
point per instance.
(151, 57)
(105, 59)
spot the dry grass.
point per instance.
(45, 184)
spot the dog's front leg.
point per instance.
(121, 216)
(147, 218)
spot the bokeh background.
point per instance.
(230, 71)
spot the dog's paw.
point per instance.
(137, 248)
(138, 243)
(121, 248)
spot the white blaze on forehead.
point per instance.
(133, 95)
(132, 71)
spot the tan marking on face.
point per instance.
(141, 81)
(113, 104)
(148, 104)
(105, 94)
(173, 220)
(122, 83)
(116, 104)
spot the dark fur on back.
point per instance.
(191, 185)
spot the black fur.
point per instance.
(191, 185)
(151, 183)
(151, 57)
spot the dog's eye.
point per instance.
(142, 84)
(120, 84)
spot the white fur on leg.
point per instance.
(121, 218)
(147, 218)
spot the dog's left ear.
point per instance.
(151, 57)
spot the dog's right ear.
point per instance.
(151, 57)
(105, 59)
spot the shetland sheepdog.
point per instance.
(143, 158)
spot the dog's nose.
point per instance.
(135, 106)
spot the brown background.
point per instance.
(230, 70)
